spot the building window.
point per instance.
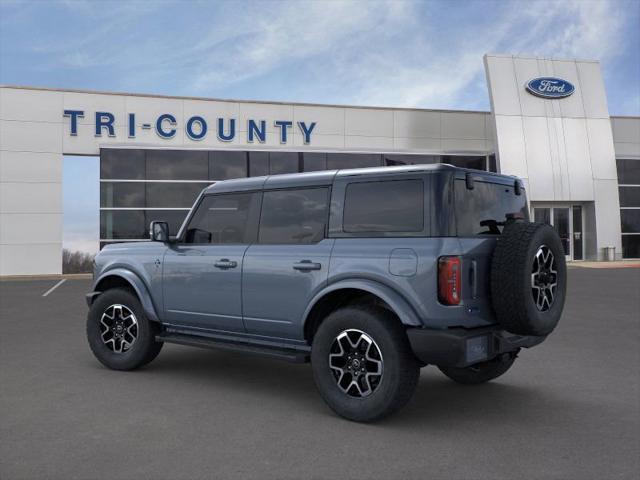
(122, 195)
(466, 161)
(393, 160)
(628, 171)
(629, 194)
(314, 161)
(122, 224)
(225, 164)
(177, 165)
(258, 164)
(172, 195)
(385, 206)
(631, 246)
(336, 161)
(294, 216)
(122, 164)
(283, 162)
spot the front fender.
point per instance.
(398, 304)
(138, 285)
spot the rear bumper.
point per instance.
(459, 347)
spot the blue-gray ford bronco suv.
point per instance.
(369, 274)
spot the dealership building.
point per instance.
(549, 124)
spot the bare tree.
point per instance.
(76, 262)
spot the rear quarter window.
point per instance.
(481, 211)
(392, 206)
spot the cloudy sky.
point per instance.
(391, 53)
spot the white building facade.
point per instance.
(549, 124)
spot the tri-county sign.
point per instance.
(550, 87)
(196, 127)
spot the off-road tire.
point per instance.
(512, 294)
(142, 351)
(481, 372)
(401, 370)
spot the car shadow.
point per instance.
(438, 401)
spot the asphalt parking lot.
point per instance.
(568, 409)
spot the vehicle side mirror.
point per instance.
(159, 231)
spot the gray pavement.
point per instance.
(568, 409)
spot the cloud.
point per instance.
(392, 53)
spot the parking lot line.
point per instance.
(54, 287)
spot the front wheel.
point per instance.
(480, 372)
(362, 363)
(119, 334)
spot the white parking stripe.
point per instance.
(54, 287)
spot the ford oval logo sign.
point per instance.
(550, 87)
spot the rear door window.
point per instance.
(296, 216)
(483, 210)
(390, 206)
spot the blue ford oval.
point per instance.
(550, 87)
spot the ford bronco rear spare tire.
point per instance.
(528, 278)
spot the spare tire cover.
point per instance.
(528, 278)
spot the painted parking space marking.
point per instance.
(54, 287)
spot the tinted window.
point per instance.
(123, 224)
(129, 194)
(294, 216)
(353, 160)
(475, 162)
(391, 160)
(493, 164)
(487, 202)
(631, 246)
(123, 164)
(177, 165)
(314, 161)
(542, 215)
(227, 218)
(224, 165)
(173, 195)
(629, 196)
(630, 221)
(388, 206)
(258, 164)
(283, 162)
(628, 171)
(173, 217)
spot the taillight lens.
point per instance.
(449, 286)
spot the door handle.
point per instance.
(225, 263)
(306, 265)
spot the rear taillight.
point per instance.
(449, 286)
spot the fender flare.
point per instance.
(398, 304)
(138, 285)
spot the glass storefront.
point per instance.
(629, 194)
(138, 186)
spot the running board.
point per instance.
(286, 354)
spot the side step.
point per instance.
(280, 353)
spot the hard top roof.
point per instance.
(326, 177)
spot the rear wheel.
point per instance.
(119, 334)
(481, 372)
(362, 363)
